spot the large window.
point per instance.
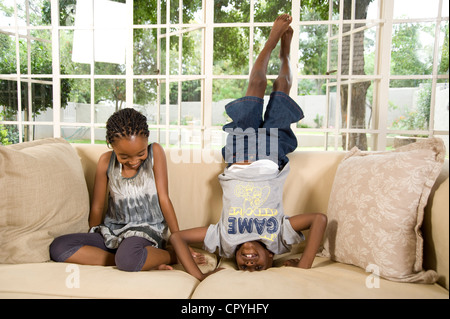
(367, 73)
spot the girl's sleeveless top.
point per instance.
(133, 206)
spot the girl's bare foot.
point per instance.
(280, 25)
(164, 267)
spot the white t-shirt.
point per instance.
(252, 210)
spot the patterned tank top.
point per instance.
(133, 206)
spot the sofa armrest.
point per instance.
(435, 228)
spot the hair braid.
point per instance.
(125, 123)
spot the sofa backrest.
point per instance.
(197, 196)
(193, 178)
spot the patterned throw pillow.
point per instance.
(376, 209)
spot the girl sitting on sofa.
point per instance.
(253, 226)
(134, 233)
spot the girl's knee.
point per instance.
(65, 246)
(127, 263)
(62, 248)
(56, 248)
(131, 255)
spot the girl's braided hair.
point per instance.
(125, 123)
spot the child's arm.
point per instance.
(180, 241)
(100, 187)
(316, 223)
(162, 187)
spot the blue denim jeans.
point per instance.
(252, 137)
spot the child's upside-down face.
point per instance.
(253, 256)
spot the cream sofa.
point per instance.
(36, 180)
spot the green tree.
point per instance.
(443, 67)
(3, 133)
(405, 58)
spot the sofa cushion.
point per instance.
(325, 280)
(63, 280)
(43, 196)
(376, 209)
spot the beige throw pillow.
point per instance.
(376, 210)
(43, 195)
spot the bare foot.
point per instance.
(164, 267)
(280, 26)
(286, 38)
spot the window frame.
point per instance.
(332, 131)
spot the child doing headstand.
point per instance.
(134, 232)
(253, 226)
